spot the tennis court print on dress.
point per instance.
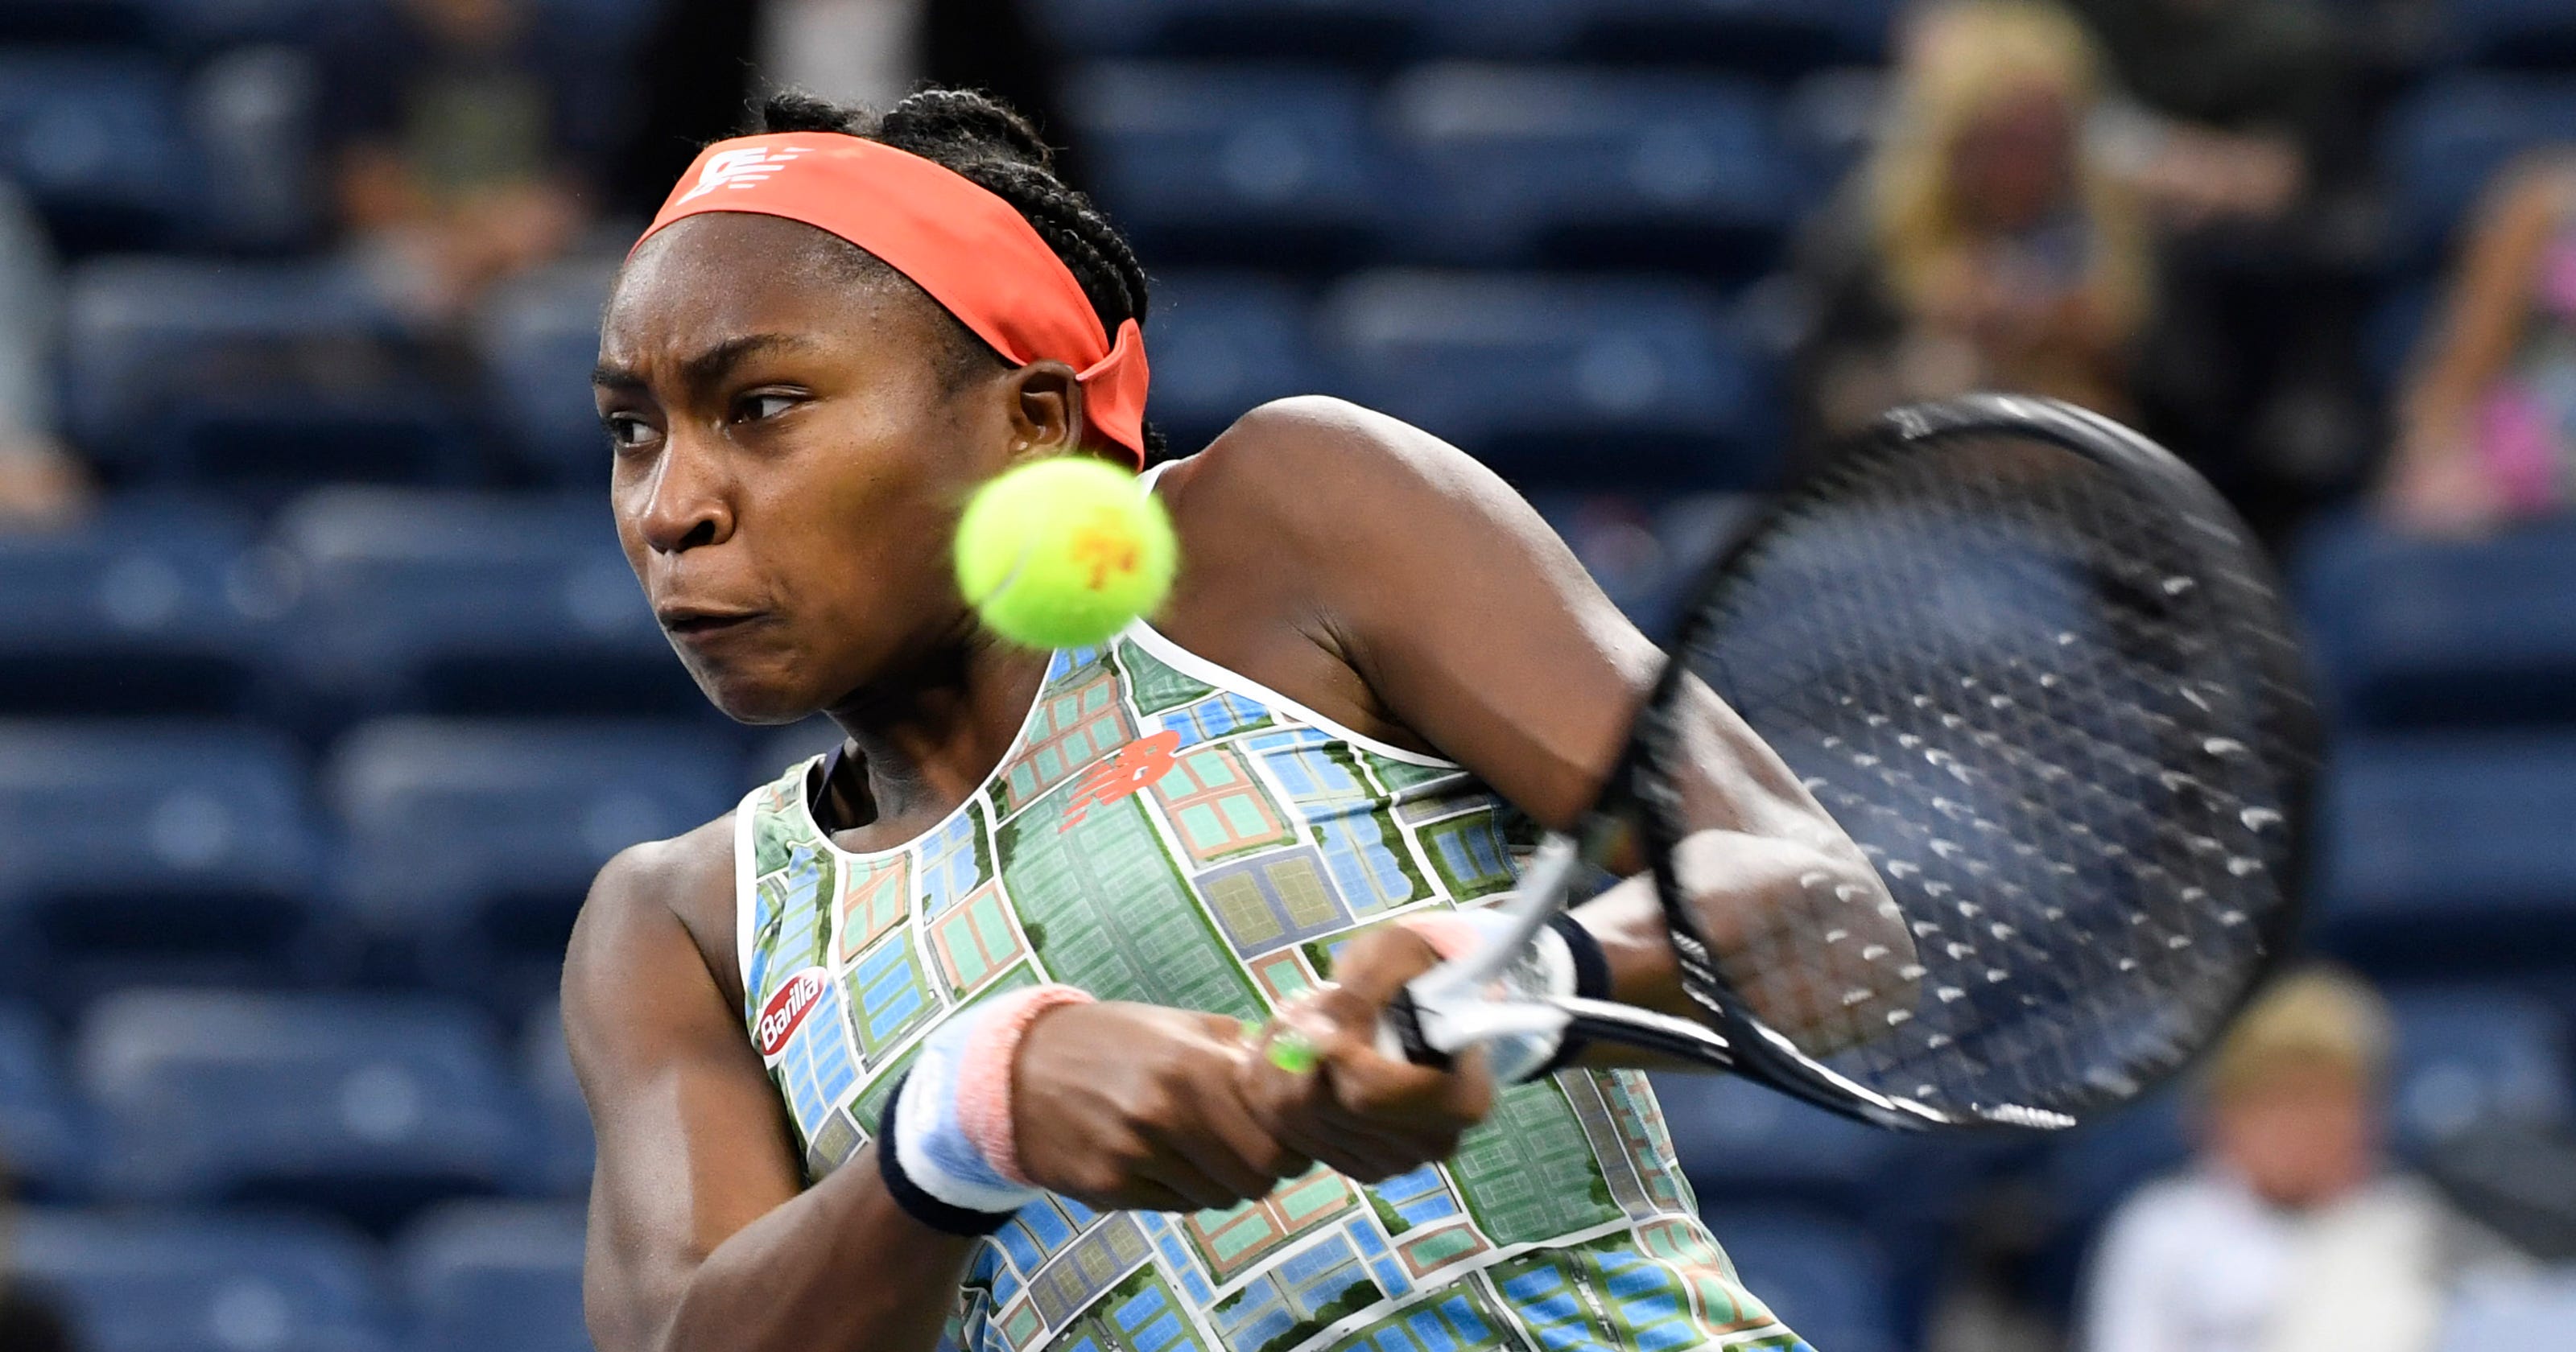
(1167, 831)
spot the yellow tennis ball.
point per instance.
(1063, 553)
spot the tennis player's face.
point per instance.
(790, 455)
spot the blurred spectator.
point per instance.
(862, 52)
(2290, 1235)
(704, 58)
(2239, 103)
(468, 135)
(2486, 426)
(2239, 129)
(1982, 246)
(40, 482)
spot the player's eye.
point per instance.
(762, 407)
(625, 430)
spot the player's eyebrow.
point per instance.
(705, 368)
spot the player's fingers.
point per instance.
(1201, 1186)
(1248, 1145)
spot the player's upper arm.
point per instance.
(1465, 614)
(692, 1146)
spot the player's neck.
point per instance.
(924, 739)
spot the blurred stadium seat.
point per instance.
(546, 1066)
(1525, 165)
(1825, 1279)
(1767, 37)
(1272, 166)
(1553, 381)
(369, 1107)
(96, 140)
(2449, 855)
(540, 338)
(475, 841)
(178, 1282)
(143, 851)
(249, 375)
(1740, 1143)
(1224, 343)
(44, 1133)
(2475, 1056)
(1364, 31)
(467, 603)
(494, 1277)
(148, 608)
(2446, 141)
(2414, 632)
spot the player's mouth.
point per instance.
(699, 625)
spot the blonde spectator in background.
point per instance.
(2486, 425)
(1982, 245)
(2289, 1234)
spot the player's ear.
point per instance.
(1046, 407)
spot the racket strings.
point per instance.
(2059, 765)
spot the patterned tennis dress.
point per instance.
(1166, 831)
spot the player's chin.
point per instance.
(764, 693)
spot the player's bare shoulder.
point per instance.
(640, 892)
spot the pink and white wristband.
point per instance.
(946, 1146)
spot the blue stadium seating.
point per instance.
(466, 603)
(95, 139)
(44, 1134)
(1740, 1143)
(477, 840)
(1769, 37)
(366, 1106)
(146, 850)
(2449, 856)
(1556, 381)
(2446, 142)
(1527, 166)
(2411, 632)
(1825, 1279)
(1223, 342)
(146, 609)
(1361, 31)
(181, 1282)
(494, 1277)
(2516, 33)
(540, 338)
(2475, 1056)
(563, 1118)
(2494, 1311)
(1268, 166)
(249, 375)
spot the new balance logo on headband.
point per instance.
(741, 169)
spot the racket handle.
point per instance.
(1400, 1033)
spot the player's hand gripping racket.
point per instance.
(2043, 677)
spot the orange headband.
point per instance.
(973, 252)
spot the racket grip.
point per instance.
(1402, 1023)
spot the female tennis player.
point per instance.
(942, 1040)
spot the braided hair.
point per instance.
(982, 140)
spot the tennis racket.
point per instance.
(2044, 678)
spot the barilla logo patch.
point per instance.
(788, 1008)
(742, 169)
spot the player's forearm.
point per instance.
(841, 1266)
(1745, 888)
